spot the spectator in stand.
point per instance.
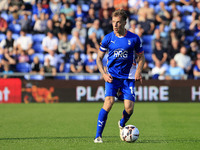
(147, 11)
(50, 43)
(158, 71)
(55, 6)
(97, 30)
(56, 25)
(163, 15)
(106, 22)
(109, 3)
(24, 43)
(133, 24)
(90, 64)
(79, 14)
(3, 25)
(36, 66)
(38, 9)
(105, 6)
(174, 72)
(92, 44)
(9, 59)
(91, 17)
(76, 63)
(119, 4)
(159, 54)
(49, 26)
(147, 25)
(48, 68)
(68, 11)
(65, 24)
(174, 11)
(77, 42)
(64, 47)
(96, 5)
(6, 70)
(135, 5)
(40, 24)
(8, 44)
(16, 6)
(173, 49)
(196, 70)
(183, 60)
(55, 60)
(79, 27)
(139, 30)
(25, 23)
(196, 13)
(23, 57)
(4, 5)
(177, 23)
(157, 37)
(193, 51)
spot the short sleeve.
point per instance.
(104, 44)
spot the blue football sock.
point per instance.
(125, 118)
(101, 122)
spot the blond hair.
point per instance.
(120, 13)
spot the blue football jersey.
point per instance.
(122, 54)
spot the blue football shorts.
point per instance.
(125, 85)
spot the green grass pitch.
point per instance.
(68, 126)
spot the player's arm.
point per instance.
(141, 61)
(107, 77)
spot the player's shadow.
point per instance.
(41, 138)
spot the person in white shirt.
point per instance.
(77, 42)
(50, 42)
(55, 60)
(158, 71)
(24, 43)
(183, 60)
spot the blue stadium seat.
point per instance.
(15, 28)
(15, 36)
(34, 77)
(23, 67)
(153, 2)
(147, 48)
(148, 57)
(189, 38)
(2, 37)
(39, 55)
(85, 7)
(188, 8)
(187, 19)
(147, 39)
(67, 68)
(5, 16)
(38, 48)
(76, 77)
(93, 77)
(69, 37)
(37, 38)
(60, 77)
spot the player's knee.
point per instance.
(109, 101)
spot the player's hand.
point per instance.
(138, 77)
(107, 78)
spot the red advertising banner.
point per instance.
(10, 90)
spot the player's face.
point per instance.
(118, 24)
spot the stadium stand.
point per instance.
(58, 26)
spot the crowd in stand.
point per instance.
(53, 36)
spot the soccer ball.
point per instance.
(130, 133)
